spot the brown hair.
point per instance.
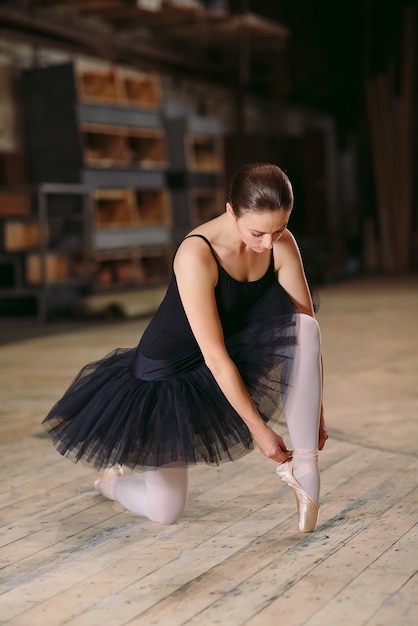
(260, 187)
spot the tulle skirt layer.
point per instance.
(180, 416)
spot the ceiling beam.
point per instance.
(45, 28)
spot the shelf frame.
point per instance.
(43, 191)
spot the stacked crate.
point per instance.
(43, 248)
(196, 175)
(19, 235)
(101, 126)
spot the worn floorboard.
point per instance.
(69, 557)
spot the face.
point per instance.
(260, 230)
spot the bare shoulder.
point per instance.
(194, 259)
(286, 251)
(194, 251)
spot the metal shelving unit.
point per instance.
(45, 272)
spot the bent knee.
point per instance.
(309, 329)
(167, 518)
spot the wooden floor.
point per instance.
(68, 556)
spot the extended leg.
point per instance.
(304, 404)
(160, 494)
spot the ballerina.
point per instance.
(233, 347)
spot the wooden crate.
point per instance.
(155, 265)
(113, 207)
(142, 90)
(13, 204)
(20, 236)
(105, 145)
(104, 274)
(133, 267)
(108, 83)
(98, 83)
(152, 207)
(147, 147)
(127, 271)
(203, 153)
(57, 268)
(117, 270)
(116, 208)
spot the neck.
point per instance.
(231, 236)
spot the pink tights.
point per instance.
(304, 405)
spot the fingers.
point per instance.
(323, 436)
(283, 455)
(272, 446)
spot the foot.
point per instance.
(308, 509)
(105, 484)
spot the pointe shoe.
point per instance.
(107, 478)
(308, 509)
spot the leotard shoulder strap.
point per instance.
(215, 256)
(209, 244)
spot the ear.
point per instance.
(230, 211)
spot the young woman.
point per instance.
(233, 345)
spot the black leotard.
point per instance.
(169, 333)
(159, 404)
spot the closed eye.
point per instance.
(276, 234)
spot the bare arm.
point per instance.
(196, 273)
(292, 277)
(291, 274)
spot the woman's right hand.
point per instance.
(271, 444)
(323, 433)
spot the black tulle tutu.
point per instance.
(141, 413)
